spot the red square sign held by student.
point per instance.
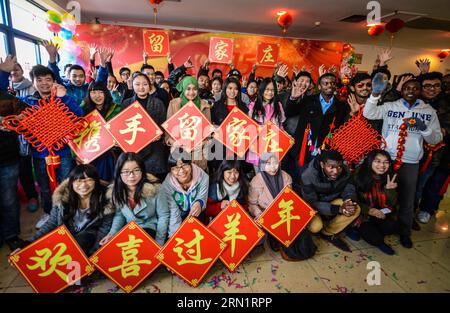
(272, 139)
(156, 43)
(267, 54)
(53, 262)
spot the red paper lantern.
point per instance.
(156, 2)
(442, 55)
(394, 25)
(285, 20)
(375, 30)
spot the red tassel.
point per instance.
(53, 162)
(431, 149)
(301, 157)
(445, 186)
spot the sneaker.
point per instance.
(423, 217)
(415, 225)
(32, 205)
(337, 242)
(44, 218)
(406, 241)
(15, 243)
(386, 249)
(353, 233)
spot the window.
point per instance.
(26, 54)
(2, 46)
(30, 19)
(44, 55)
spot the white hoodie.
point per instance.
(393, 114)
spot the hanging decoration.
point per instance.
(63, 26)
(393, 27)
(401, 144)
(155, 4)
(375, 30)
(347, 70)
(443, 55)
(284, 20)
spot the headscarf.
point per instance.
(273, 182)
(182, 86)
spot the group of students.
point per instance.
(163, 184)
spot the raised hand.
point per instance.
(60, 90)
(244, 81)
(8, 64)
(94, 73)
(378, 84)
(111, 52)
(353, 103)
(423, 65)
(188, 63)
(391, 183)
(384, 56)
(52, 50)
(169, 58)
(332, 69)
(254, 68)
(322, 70)
(283, 70)
(298, 89)
(145, 56)
(92, 51)
(103, 53)
(402, 81)
(231, 65)
(206, 64)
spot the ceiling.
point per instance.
(259, 17)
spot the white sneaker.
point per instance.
(42, 220)
(423, 217)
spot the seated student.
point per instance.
(79, 204)
(137, 197)
(229, 184)
(185, 189)
(263, 189)
(375, 185)
(326, 186)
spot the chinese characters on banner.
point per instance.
(53, 262)
(188, 127)
(221, 50)
(267, 54)
(286, 217)
(237, 132)
(273, 139)
(191, 251)
(128, 258)
(156, 43)
(239, 231)
(93, 140)
(133, 128)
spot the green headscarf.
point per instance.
(181, 87)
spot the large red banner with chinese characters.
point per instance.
(133, 128)
(128, 44)
(272, 139)
(237, 132)
(188, 127)
(53, 262)
(267, 53)
(93, 140)
(191, 251)
(156, 43)
(239, 231)
(286, 217)
(128, 258)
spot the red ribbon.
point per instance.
(431, 149)
(301, 158)
(53, 162)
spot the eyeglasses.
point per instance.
(360, 85)
(429, 86)
(135, 172)
(177, 169)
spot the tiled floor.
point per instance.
(425, 268)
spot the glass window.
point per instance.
(2, 46)
(26, 54)
(44, 55)
(30, 19)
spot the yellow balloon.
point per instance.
(57, 41)
(68, 16)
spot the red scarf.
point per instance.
(376, 197)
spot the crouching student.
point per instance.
(137, 197)
(79, 204)
(229, 184)
(377, 197)
(326, 186)
(263, 189)
(185, 189)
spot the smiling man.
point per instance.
(423, 124)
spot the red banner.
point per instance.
(188, 126)
(93, 140)
(237, 132)
(128, 258)
(267, 53)
(239, 231)
(273, 139)
(286, 217)
(156, 43)
(221, 50)
(53, 262)
(191, 251)
(133, 128)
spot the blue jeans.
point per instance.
(423, 179)
(430, 196)
(9, 201)
(62, 172)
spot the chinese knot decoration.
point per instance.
(155, 4)
(49, 125)
(401, 144)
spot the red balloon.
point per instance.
(156, 2)
(394, 25)
(54, 28)
(443, 54)
(285, 20)
(375, 30)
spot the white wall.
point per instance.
(403, 59)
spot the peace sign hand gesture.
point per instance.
(391, 184)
